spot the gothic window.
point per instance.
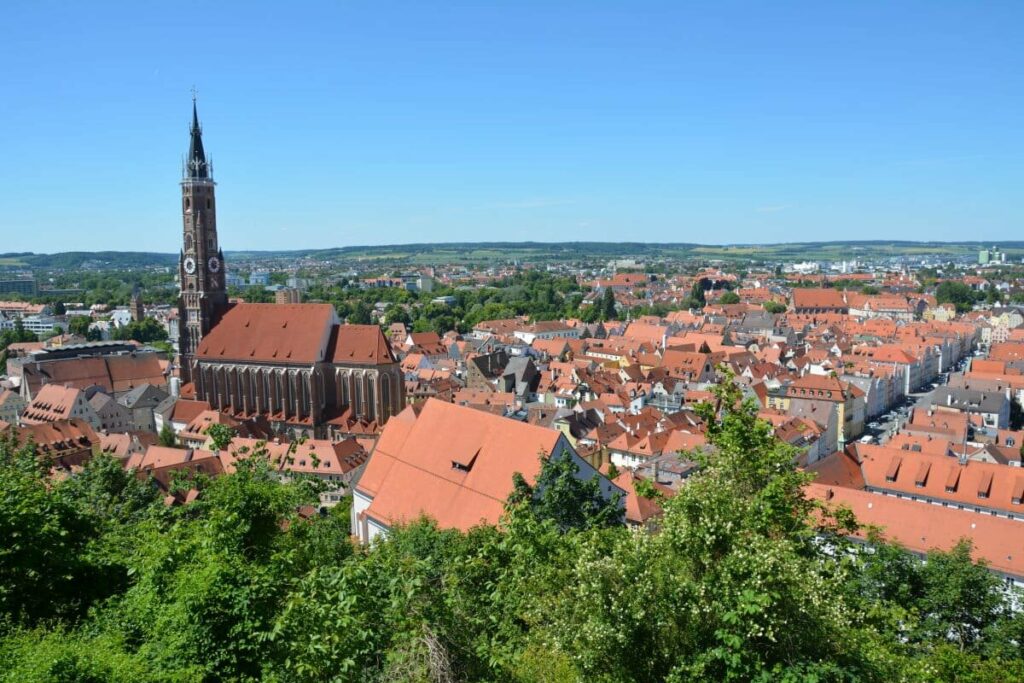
(371, 398)
(236, 389)
(207, 202)
(385, 397)
(188, 203)
(188, 242)
(282, 391)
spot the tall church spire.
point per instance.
(203, 296)
(195, 165)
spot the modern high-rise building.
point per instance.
(19, 285)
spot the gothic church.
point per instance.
(294, 365)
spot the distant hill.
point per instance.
(72, 260)
(503, 251)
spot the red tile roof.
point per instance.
(825, 299)
(921, 528)
(270, 333)
(639, 509)
(359, 345)
(185, 410)
(52, 402)
(55, 440)
(452, 463)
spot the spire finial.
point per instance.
(197, 166)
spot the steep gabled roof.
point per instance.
(270, 333)
(52, 402)
(359, 345)
(452, 463)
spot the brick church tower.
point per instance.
(203, 298)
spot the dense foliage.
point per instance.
(958, 294)
(15, 335)
(536, 294)
(144, 331)
(100, 582)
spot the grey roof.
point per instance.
(491, 365)
(166, 406)
(525, 373)
(144, 396)
(99, 400)
(970, 400)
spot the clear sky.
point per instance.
(345, 123)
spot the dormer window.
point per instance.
(894, 468)
(464, 463)
(985, 485)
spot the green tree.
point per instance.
(774, 307)
(608, 311)
(956, 293)
(960, 600)
(220, 436)
(79, 325)
(729, 298)
(143, 331)
(360, 315)
(46, 569)
(564, 497)
(166, 436)
(396, 313)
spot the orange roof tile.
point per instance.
(278, 333)
(921, 527)
(452, 463)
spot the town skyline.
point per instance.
(535, 341)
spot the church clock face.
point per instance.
(190, 265)
(213, 264)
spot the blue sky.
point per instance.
(344, 123)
